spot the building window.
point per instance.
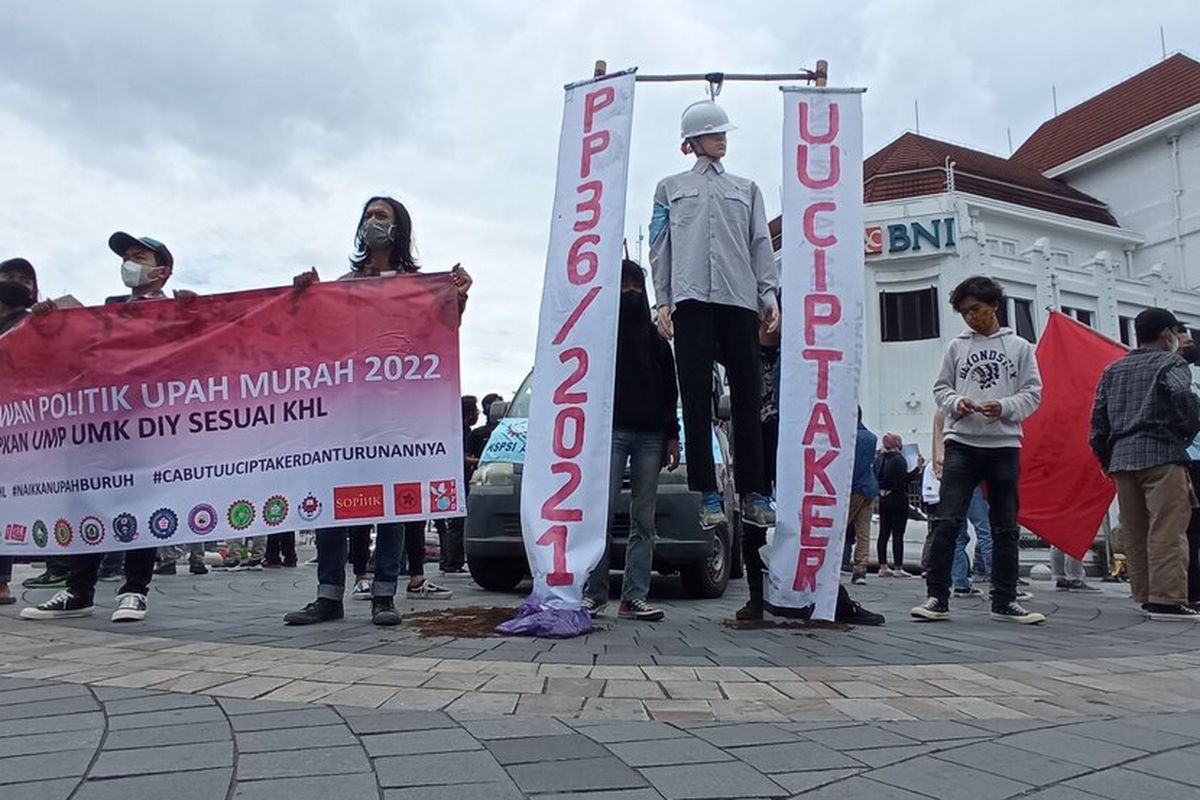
(1017, 313)
(1080, 314)
(1126, 326)
(909, 316)
(1002, 247)
(1060, 258)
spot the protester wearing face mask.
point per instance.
(1191, 354)
(645, 438)
(382, 249)
(989, 383)
(1144, 416)
(146, 266)
(18, 291)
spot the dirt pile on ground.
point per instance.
(474, 622)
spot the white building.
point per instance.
(1096, 214)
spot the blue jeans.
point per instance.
(963, 470)
(332, 552)
(643, 451)
(977, 515)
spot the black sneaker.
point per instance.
(197, 568)
(750, 612)
(1076, 585)
(854, 614)
(320, 610)
(932, 610)
(131, 607)
(594, 608)
(858, 578)
(166, 568)
(62, 605)
(47, 580)
(383, 612)
(428, 591)
(639, 610)
(252, 565)
(1014, 613)
(970, 591)
(1179, 613)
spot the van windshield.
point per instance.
(520, 402)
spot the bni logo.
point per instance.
(358, 502)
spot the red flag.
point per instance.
(1064, 496)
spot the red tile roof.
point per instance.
(1168, 87)
(915, 165)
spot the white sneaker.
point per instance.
(131, 607)
(361, 591)
(884, 572)
(900, 573)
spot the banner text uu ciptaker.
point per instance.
(822, 308)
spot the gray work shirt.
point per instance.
(709, 240)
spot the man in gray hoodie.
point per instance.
(988, 384)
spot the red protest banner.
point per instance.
(1064, 496)
(159, 421)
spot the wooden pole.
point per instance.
(601, 68)
(822, 71)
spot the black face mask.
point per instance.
(15, 295)
(1190, 353)
(632, 305)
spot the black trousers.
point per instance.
(1193, 537)
(702, 330)
(893, 522)
(281, 547)
(84, 571)
(964, 468)
(451, 534)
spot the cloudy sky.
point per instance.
(247, 133)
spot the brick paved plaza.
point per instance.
(213, 697)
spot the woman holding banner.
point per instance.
(382, 249)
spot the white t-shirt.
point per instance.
(931, 487)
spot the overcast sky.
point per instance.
(246, 134)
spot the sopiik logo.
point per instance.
(358, 502)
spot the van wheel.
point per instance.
(496, 574)
(709, 578)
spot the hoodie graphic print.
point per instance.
(999, 367)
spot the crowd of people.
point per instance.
(717, 287)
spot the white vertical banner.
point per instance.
(564, 486)
(821, 351)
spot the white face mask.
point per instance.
(134, 274)
(1174, 345)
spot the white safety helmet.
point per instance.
(704, 116)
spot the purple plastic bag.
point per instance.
(535, 618)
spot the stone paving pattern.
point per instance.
(213, 697)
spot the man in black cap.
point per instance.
(1144, 417)
(146, 266)
(18, 291)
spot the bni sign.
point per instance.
(910, 237)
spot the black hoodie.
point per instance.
(645, 394)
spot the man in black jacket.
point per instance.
(645, 436)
